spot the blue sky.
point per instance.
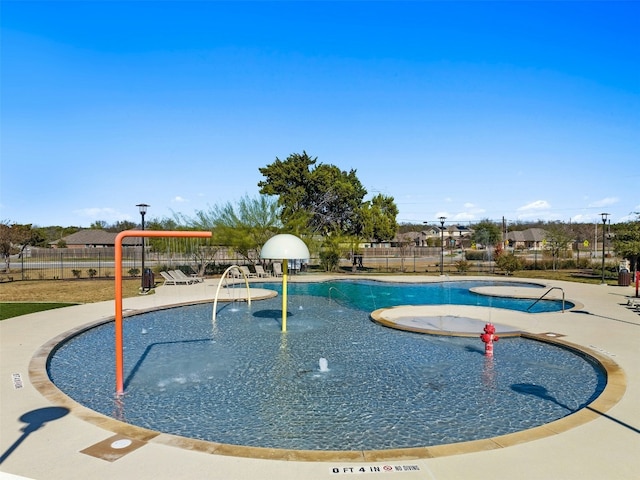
(471, 110)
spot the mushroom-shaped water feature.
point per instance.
(284, 247)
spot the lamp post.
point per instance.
(604, 223)
(142, 207)
(442, 219)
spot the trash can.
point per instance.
(624, 278)
(148, 279)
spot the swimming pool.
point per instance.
(240, 381)
(371, 295)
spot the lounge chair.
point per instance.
(170, 279)
(234, 273)
(260, 272)
(277, 269)
(247, 272)
(180, 276)
(183, 276)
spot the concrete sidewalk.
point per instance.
(39, 440)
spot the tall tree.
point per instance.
(486, 233)
(122, 225)
(324, 199)
(626, 242)
(99, 225)
(14, 238)
(379, 218)
(559, 239)
(489, 235)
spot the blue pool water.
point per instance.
(370, 295)
(240, 380)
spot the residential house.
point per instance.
(529, 239)
(94, 238)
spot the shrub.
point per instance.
(462, 266)
(567, 264)
(540, 264)
(509, 263)
(76, 273)
(329, 260)
(92, 272)
(475, 255)
(134, 272)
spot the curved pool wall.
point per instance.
(410, 388)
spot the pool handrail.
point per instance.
(545, 293)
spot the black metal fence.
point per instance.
(77, 263)
(64, 264)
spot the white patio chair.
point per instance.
(180, 278)
(247, 272)
(260, 272)
(183, 276)
(277, 269)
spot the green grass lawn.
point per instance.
(8, 310)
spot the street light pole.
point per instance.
(604, 223)
(442, 219)
(142, 207)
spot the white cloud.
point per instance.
(179, 199)
(582, 218)
(536, 206)
(470, 213)
(605, 202)
(465, 217)
(628, 218)
(539, 210)
(537, 215)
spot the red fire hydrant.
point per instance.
(488, 337)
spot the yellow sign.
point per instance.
(585, 243)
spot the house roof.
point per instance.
(407, 237)
(528, 235)
(97, 237)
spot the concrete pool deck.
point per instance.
(38, 442)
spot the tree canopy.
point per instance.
(14, 238)
(380, 218)
(486, 233)
(558, 239)
(323, 199)
(627, 241)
